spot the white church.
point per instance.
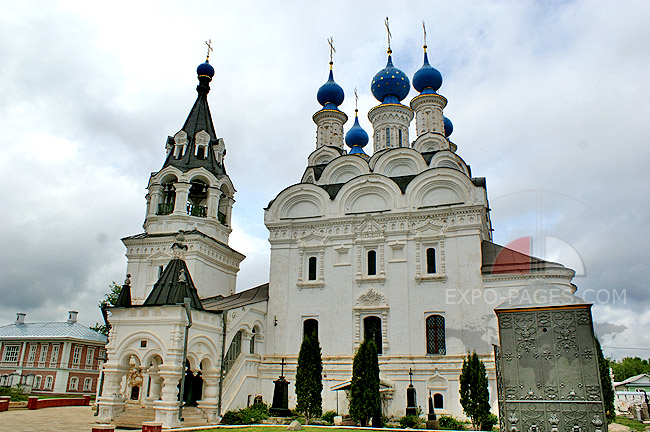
(393, 244)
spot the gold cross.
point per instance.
(425, 35)
(208, 43)
(389, 35)
(330, 41)
(356, 100)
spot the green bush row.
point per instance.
(15, 393)
(250, 415)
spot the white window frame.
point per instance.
(38, 380)
(54, 358)
(32, 353)
(48, 382)
(76, 357)
(74, 383)
(42, 358)
(311, 245)
(369, 303)
(362, 262)
(11, 353)
(88, 384)
(430, 234)
(90, 354)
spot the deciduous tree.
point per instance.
(109, 300)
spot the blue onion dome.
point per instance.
(390, 85)
(449, 126)
(205, 69)
(330, 95)
(427, 79)
(356, 138)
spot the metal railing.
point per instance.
(165, 208)
(195, 210)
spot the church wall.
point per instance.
(470, 324)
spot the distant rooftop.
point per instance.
(498, 259)
(254, 295)
(50, 330)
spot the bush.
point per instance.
(15, 393)
(328, 416)
(489, 421)
(410, 421)
(253, 414)
(450, 423)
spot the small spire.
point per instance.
(424, 29)
(209, 44)
(356, 103)
(389, 36)
(330, 41)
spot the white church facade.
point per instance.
(395, 246)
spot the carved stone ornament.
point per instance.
(597, 421)
(371, 298)
(553, 420)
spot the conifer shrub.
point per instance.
(364, 389)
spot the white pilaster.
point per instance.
(167, 407)
(182, 191)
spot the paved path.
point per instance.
(62, 419)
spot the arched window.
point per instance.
(197, 199)
(399, 135)
(435, 334)
(225, 201)
(310, 327)
(37, 382)
(233, 352)
(372, 263)
(74, 383)
(372, 330)
(254, 334)
(387, 137)
(431, 260)
(88, 383)
(201, 152)
(438, 401)
(312, 269)
(48, 383)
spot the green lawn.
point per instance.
(277, 428)
(632, 424)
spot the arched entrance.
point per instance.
(193, 390)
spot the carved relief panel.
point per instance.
(548, 372)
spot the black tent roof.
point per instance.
(173, 286)
(198, 120)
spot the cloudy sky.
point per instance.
(550, 102)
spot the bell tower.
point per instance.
(191, 194)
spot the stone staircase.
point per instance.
(133, 416)
(192, 416)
